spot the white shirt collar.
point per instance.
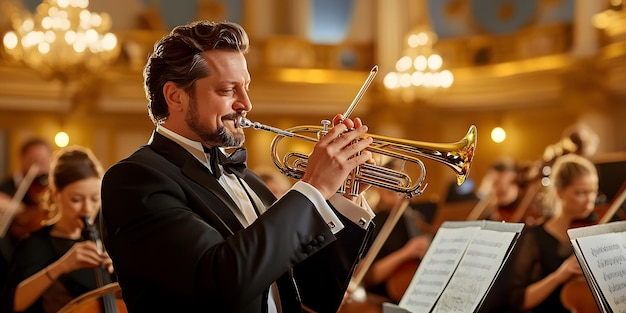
(194, 147)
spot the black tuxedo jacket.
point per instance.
(177, 246)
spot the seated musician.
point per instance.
(27, 217)
(543, 260)
(53, 265)
(405, 245)
(500, 185)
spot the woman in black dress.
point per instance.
(54, 264)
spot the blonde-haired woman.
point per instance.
(544, 259)
(55, 264)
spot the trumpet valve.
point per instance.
(324, 131)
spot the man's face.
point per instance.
(37, 154)
(218, 100)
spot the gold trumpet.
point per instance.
(457, 155)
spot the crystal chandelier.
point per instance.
(62, 39)
(420, 70)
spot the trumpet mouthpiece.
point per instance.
(244, 122)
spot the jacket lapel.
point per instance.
(196, 172)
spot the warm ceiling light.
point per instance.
(419, 68)
(62, 39)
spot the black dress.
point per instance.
(537, 255)
(31, 255)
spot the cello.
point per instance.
(107, 297)
(576, 295)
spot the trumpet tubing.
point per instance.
(457, 155)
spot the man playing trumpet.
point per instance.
(189, 234)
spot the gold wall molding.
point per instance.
(22, 89)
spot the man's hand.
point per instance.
(362, 186)
(336, 154)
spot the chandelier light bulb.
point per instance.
(434, 62)
(405, 80)
(413, 41)
(420, 63)
(417, 79)
(10, 40)
(96, 20)
(43, 47)
(422, 39)
(446, 78)
(391, 80)
(403, 64)
(28, 25)
(429, 80)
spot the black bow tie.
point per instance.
(236, 159)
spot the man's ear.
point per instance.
(175, 96)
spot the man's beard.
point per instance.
(220, 138)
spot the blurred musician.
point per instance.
(34, 152)
(543, 260)
(577, 139)
(53, 265)
(501, 190)
(405, 244)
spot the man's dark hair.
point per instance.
(33, 142)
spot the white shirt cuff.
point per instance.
(320, 204)
(361, 215)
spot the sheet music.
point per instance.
(476, 272)
(436, 268)
(605, 255)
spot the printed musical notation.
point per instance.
(460, 266)
(476, 271)
(436, 268)
(605, 258)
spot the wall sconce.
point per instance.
(498, 134)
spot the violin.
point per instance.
(399, 281)
(24, 213)
(31, 217)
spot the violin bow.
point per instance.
(6, 216)
(615, 205)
